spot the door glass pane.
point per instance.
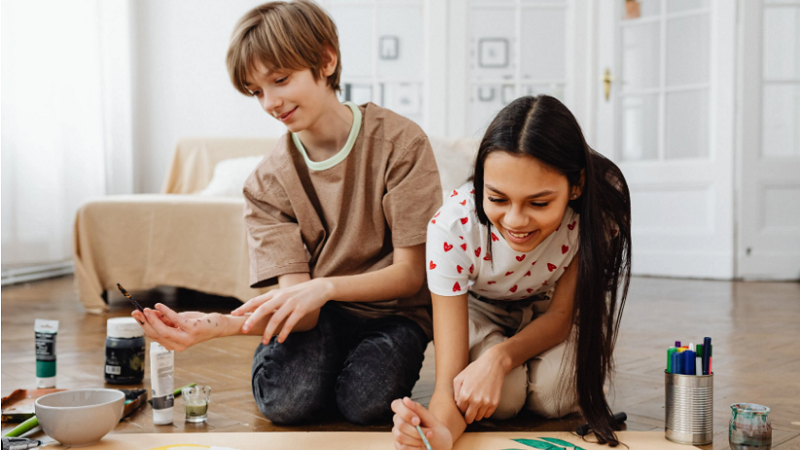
(640, 56)
(493, 43)
(632, 9)
(355, 41)
(639, 134)
(403, 98)
(686, 125)
(486, 100)
(674, 6)
(400, 42)
(781, 120)
(687, 50)
(543, 44)
(781, 42)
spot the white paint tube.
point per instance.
(46, 332)
(162, 377)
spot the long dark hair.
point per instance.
(543, 128)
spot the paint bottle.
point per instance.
(46, 332)
(124, 351)
(162, 377)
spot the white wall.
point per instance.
(180, 83)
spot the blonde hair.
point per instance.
(292, 35)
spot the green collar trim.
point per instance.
(342, 154)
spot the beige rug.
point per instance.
(651, 440)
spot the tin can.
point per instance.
(689, 406)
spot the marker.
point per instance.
(706, 356)
(678, 344)
(424, 439)
(670, 351)
(677, 366)
(688, 363)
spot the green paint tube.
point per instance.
(46, 332)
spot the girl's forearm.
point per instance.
(443, 406)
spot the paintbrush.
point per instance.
(135, 303)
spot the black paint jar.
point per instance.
(124, 351)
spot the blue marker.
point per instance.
(688, 362)
(706, 355)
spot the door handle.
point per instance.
(607, 78)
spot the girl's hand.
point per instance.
(178, 331)
(478, 387)
(407, 415)
(290, 304)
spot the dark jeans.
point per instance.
(355, 365)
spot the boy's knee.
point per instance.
(365, 402)
(286, 403)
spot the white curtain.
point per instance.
(66, 120)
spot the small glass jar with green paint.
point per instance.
(750, 427)
(195, 402)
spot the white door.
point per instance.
(769, 212)
(668, 124)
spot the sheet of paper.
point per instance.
(651, 440)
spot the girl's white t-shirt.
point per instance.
(458, 261)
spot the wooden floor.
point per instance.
(755, 327)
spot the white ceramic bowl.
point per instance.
(80, 417)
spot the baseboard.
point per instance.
(38, 272)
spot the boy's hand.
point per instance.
(287, 304)
(478, 387)
(178, 331)
(407, 415)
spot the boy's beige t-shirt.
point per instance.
(346, 219)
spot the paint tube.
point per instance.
(46, 332)
(162, 374)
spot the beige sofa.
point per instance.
(187, 237)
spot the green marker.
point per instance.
(23, 428)
(670, 351)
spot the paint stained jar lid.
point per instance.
(124, 328)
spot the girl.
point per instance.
(525, 264)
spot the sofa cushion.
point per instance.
(229, 177)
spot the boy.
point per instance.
(337, 213)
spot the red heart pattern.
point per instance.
(491, 282)
(530, 291)
(447, 247)
(471, 268)
(432, 265)
(463, 203)
(564, 249)
(456, 287)
(495, 238)
(551, 267)
(454, 194)
(521, 257)
(437, 214)
(433, 221)
(488, 257)
(463, 247)
(528, 273)
(509, 273)
(459, 269)
(572, 225)
(464, 220)
(478, 252)
(513, 288)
